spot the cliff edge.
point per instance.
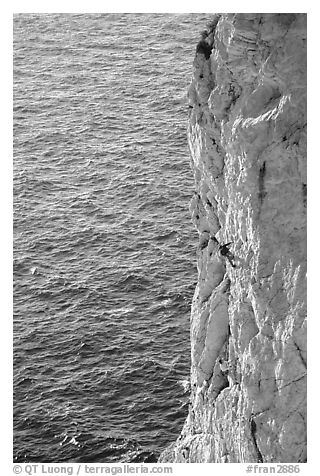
(247, 137)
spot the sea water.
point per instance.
(104, 249)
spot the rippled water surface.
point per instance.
(104, 249)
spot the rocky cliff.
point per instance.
(247, 137)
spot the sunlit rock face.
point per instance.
(247, 137)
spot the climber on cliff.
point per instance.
(185, 452)
(226, 253)
(223, 365)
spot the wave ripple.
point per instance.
(104, 267)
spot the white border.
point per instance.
(164, 6)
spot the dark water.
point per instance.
(104, 249)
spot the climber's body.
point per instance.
(226, 253)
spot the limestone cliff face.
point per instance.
(247, 136)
